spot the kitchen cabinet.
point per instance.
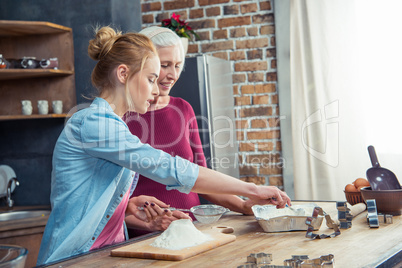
(29, 238)
(42, 40)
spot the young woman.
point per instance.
(96, 158)
(170, 125)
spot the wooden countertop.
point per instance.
(359, 246)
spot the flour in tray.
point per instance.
(269, 211)
(179, 235)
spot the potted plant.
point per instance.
(181, 28)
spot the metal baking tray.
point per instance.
(287, 219)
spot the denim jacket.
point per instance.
(94, 164)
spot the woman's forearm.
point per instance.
(231, 202)
(212, 182)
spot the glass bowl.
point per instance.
(208, 213)
(12, 256)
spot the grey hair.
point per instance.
(164, 37)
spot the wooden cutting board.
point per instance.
(144, 250)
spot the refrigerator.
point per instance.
(206, 83)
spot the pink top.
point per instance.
(113, 232)
(174, 130)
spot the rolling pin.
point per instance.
(354, 211)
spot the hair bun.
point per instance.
(102, 43)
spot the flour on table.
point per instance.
(180, 234)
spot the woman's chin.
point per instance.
(142, 111)
(138, 110)
(164, 91)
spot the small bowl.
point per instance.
(208, 213)
(12, 256)
(387, 201)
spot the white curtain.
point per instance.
(345, 58)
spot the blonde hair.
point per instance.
(112, 48)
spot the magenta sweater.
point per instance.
(174, 130)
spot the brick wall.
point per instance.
(243, 32)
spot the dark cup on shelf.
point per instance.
(29, 63)
(24, 63)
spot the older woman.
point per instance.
(170, 125)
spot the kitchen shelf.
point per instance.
(42, 40)
(32, 116)
(24, 28)
(9, 74)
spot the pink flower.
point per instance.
(175, 16)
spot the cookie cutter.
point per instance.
(344, 215)
(247, 265)
(318, 211)
(302, 261)
(372, 217)
(295, 261)
(259, 258)
(253, 265)
(387, 218)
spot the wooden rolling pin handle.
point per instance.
(357, 209)
(354, 211)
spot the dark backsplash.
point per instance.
(27, 147)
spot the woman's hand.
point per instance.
(272, 195)
(163, 222)
(266, 195)
(151, 214)
(151, 208)
(249, 203)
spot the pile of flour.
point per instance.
(180, 234)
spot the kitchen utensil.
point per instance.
(380, 178)
(354, 211)
(208, 213)
(387, 201)
(203, 213)
(171, 209)
(144, 250)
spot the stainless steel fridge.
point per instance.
(206, 83)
